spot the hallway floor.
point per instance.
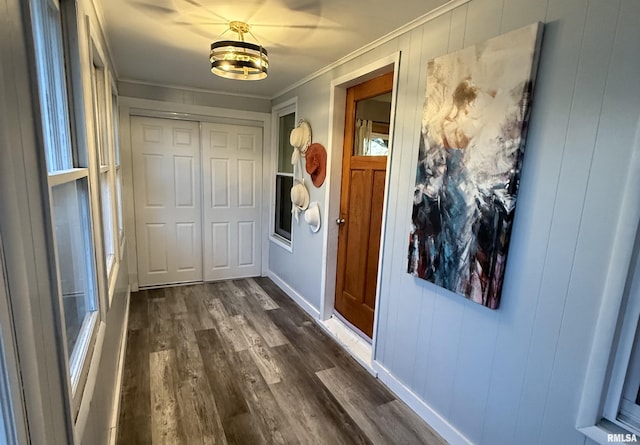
(238, 362)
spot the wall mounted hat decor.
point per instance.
(312, 216)
(474, 126)
(299, 198)
(316, 163)
(300, 138)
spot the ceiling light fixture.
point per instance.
(237, 59)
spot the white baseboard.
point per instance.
(428, 414)
(115, 413)
(295, 296)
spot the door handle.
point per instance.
(340, 221)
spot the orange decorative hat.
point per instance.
(317, 163)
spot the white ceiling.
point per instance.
(167, 42)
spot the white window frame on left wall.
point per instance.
(73, 164)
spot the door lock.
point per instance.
(340, 221)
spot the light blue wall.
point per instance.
(513, 375)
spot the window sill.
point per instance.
(607, 432)
(282, 242)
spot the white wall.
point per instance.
(514, 375)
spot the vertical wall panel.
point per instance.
(559, 65)
(618, 124)
(483, 20)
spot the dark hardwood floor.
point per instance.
(238, 362)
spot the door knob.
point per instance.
(340, 221)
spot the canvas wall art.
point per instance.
(471, 148)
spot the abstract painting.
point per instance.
(472, 139)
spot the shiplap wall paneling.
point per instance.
(578, 98)
(615, 114)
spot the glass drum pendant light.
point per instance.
(237, 59)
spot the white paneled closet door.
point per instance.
(232, 192)
(167, 193)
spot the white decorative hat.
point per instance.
(299, 198)
(300, 137)
(312, 216)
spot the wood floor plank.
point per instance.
(135, 399)
(316, 358)
(355, 402)
(160, 324)
(313, 411)
(199, 416)
(226, 326)
(138, 311)
(220, 367)
(218, 363)
(165, 428)
(257, 292)
(241, 430)
(404, 426)
(271, 334)
(262, 404)
(194, 301)
(259, 351)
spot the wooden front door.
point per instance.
(361, 201)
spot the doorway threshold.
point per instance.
(358, 347)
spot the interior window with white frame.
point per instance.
(68, 180)
(105, 148)
(116, 161)
(286, 121)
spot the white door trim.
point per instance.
(130, 106)
(337, 99)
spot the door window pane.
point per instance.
(371, 132)
(75, 257)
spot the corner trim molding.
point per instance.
(428, 414)
(441, 10)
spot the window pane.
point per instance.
(107, 220)
(630, 403)
(75, 256)
(7, 423)
(283, 206)
(116, 143)
(287, 123)
(100, 107)
(119, 202)
(52, 85)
